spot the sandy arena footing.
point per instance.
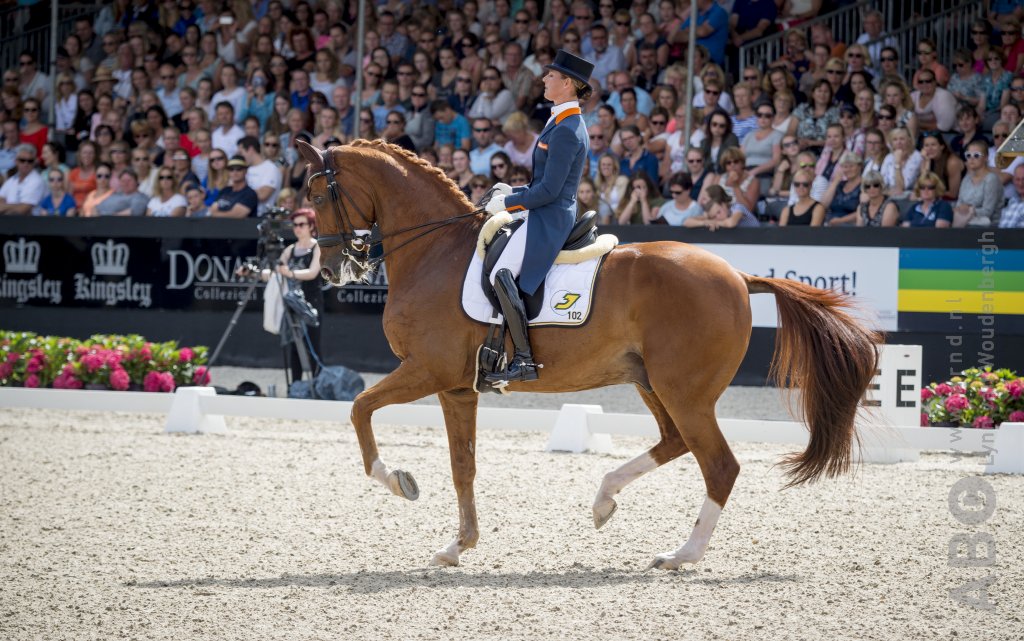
(112, 529)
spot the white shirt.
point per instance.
(480, 159)
(29, 191)
(147, 184)
(66, 109)
(227, 141)
(911, 169)
(163, 208)
(559, 109)
(265, 174)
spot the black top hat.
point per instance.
(573, 66)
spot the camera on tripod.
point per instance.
(271, 243)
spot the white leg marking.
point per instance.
(613, 483)
(379, 472)
(448, 556)
(693, 550)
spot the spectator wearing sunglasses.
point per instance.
(934, 106)
(928, 60)
(494, 101)
(1011, 42)
(166, 202)
(806, 211)
(394, 131)
(58, 202)
(876, 209)
(929, 210)
(981, 193)
(419, 123)
(101, 193)
(484, 146)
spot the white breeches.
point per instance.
(512, 258)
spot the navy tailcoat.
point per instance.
(560, 158)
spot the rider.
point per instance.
(560, 158)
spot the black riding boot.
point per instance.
(522, 368)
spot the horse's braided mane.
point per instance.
(402, 153)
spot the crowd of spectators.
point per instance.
(193, 108)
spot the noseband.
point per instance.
(357, 245)
(356, 248)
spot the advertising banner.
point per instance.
(866, 273)
(147, 273)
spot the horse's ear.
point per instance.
(312, 156)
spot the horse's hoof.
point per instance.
(665, 561)
(604, 512)
(444, 558)
(405, 485)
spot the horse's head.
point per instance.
(343, 225)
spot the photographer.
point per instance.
(300, 266)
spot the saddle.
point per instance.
(582, 244)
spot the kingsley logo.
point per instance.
(111, 259)
(22, 257)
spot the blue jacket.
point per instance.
(559, 159)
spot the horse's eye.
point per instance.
(318, 200)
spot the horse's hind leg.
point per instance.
(671, 446)
(460, 422)
(719, 468)
(400, 386)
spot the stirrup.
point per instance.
(519, 370)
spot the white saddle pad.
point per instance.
(568, 287)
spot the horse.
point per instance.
(672, 319)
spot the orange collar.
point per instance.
(575, 111)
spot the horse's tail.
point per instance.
(831, 357)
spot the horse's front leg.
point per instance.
(460, 421)
(403, 385)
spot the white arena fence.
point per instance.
(573, 428)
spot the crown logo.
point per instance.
(21, 256)
(109, 259)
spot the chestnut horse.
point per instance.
(672, 319)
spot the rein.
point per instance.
(354, 241)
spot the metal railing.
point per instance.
(36, 40)
(844, 22)
(949, 27)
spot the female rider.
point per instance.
(560, 157)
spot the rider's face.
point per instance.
(555, 86)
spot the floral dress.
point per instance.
(994, 89)
(813, 127)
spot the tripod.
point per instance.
(292, 326)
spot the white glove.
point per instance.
(502, 188)
(496, 204)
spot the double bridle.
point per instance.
(357, 246)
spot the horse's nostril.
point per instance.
(326, 273)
